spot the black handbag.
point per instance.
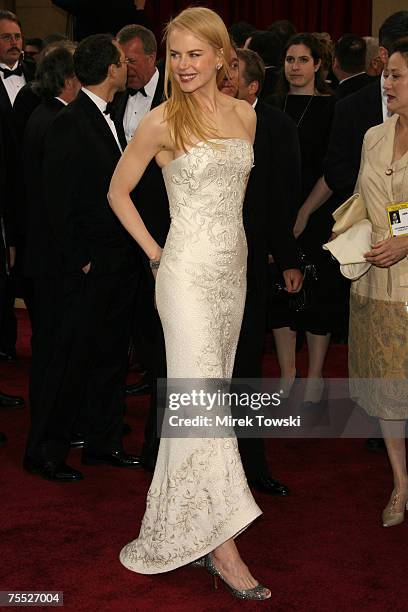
(302, 300)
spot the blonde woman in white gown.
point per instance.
(199, 499)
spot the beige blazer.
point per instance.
(379, 187)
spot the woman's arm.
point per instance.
(319, 195)
(150, 138)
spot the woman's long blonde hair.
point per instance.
(186, 118)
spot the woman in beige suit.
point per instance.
(379, 299)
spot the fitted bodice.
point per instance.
(206, 188)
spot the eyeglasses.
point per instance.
(10, 37)
(125, 61)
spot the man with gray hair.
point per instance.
(145, 82)
(374, 63)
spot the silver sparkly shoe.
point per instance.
(198, 562)
(258, 592)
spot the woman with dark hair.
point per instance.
(304, 96)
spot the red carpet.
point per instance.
(320, 549)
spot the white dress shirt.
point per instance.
(138, 106)
(101, 104)
(13, 83)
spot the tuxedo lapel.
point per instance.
(5, 104)
(158, 94)
(99, 123)
(120, 103)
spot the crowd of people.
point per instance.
(180, 206)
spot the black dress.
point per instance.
(313, 116)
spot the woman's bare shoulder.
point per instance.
(155, 126)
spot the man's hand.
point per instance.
(388, 252)
(12, 255)
(139, 4)
(86, 268)
(300, 223)
(293, 280)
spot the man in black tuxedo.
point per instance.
(269, 210)
(14, 74)
(97, 270)
(349, 63)
(145, 85)
(56, 86)
(14, 71)
(6, 256)
(144, 91)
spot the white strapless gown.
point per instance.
(199, 496)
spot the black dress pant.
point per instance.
(80, 341)
(248, 363)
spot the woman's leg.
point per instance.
(285, 342)
(317, 349)
(394, 437)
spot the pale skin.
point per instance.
(194, 65)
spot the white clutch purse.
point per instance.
(349, 248)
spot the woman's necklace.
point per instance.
(305, 109)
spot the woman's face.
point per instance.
(300, 68)
(396, 83)
(230, 83)
(193, 62)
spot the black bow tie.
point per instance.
(8, 73)
(109, 110)
(133, 92)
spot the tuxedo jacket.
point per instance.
(3, 217)
(149, 196)
(11, 145)
(274, 191)
(80, 156)
(25, 103)
(353, 116)
(352, 85)
(39, 253)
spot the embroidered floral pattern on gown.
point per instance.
(199, 496)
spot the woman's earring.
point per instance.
(219, 66)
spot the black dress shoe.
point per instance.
(77, 440)
(140, 388)
(3, 439)
(375, 445)
(115, 458)
(8, 357)
(268, 485)
(58, 472)
(11, 401)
